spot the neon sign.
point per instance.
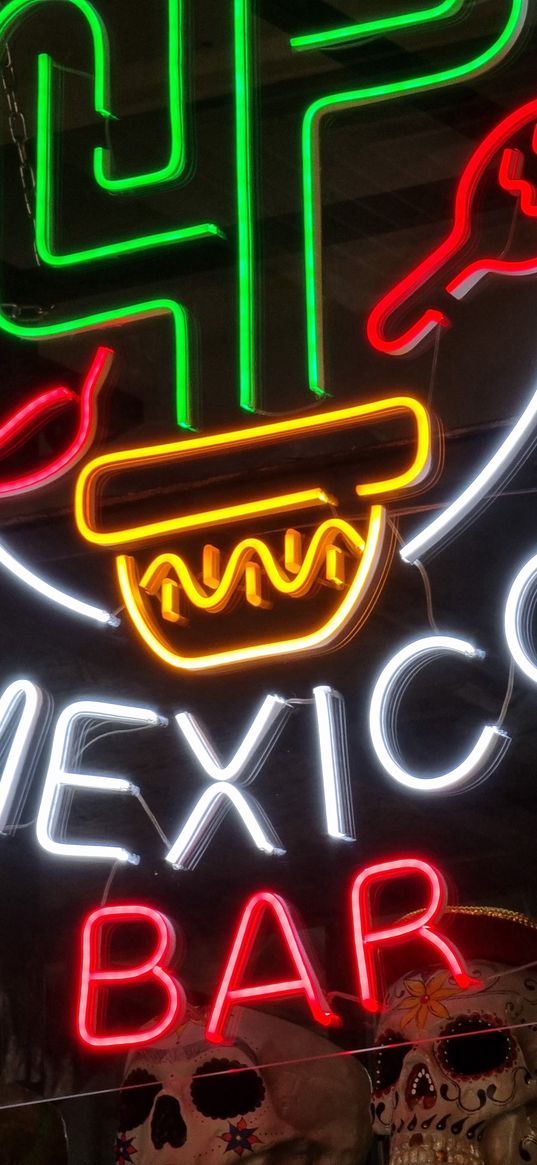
(369, 941)
(36, 412)
(69, 728)
(297, 545)
(213, 804)
(98, 975)
(509, 169)
(232, 990)
(252, 562)
(311, 164)
(229, 783)
(169, 577)
(483, 757)
(12, 782)
(96, 979)
(348, 558)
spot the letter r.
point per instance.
(368, 941)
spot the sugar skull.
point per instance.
(456, 1077)
(184, 1100)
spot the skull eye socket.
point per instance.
(482, 1052)
(218, 1092)
(135, 1100)
(389, 1060)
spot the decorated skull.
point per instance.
(456, 1078)
(184, 1100)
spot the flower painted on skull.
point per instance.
(193, 1015)
(424, 998)
(239, 1138)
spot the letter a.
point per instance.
(95, 979)
(231, 992)
(368, 941)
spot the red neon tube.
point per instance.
(232, 992)
(38, 411)
(368, 940)
(95, 979)
(380, 322)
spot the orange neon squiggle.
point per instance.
(251, 549)
(102, 468)
(403, 293)
(321, 636)
(35, 413)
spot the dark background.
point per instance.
(389, 173)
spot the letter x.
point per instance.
(214, 803)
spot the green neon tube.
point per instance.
(44, 210)
(311, 167)
(176, 164)
(335, 37)
(10, 16)
(116, 318)
(248, 376)
(15, 10)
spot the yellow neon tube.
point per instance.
(279, 503)
(321, 636)
(242, 555)
(92, 475)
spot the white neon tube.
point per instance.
(262, 729)
(52, 816)
(443, 525)
(385, 700)
(519, 609)
(12, 787)
(332, 733)
(61, 598)
(207, 815)
(214, 803)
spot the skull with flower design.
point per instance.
(456, 1077)
(424, 998)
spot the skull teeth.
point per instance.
(433, 1150)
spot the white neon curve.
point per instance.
(52, 811)
(486, 480)
(395, 676)
(517, 617)
(47, 591)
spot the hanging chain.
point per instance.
(19, 136)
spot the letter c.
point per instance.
(393, 680)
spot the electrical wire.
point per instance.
(372, 1049)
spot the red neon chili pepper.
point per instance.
(509, 176)
(39, 410)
